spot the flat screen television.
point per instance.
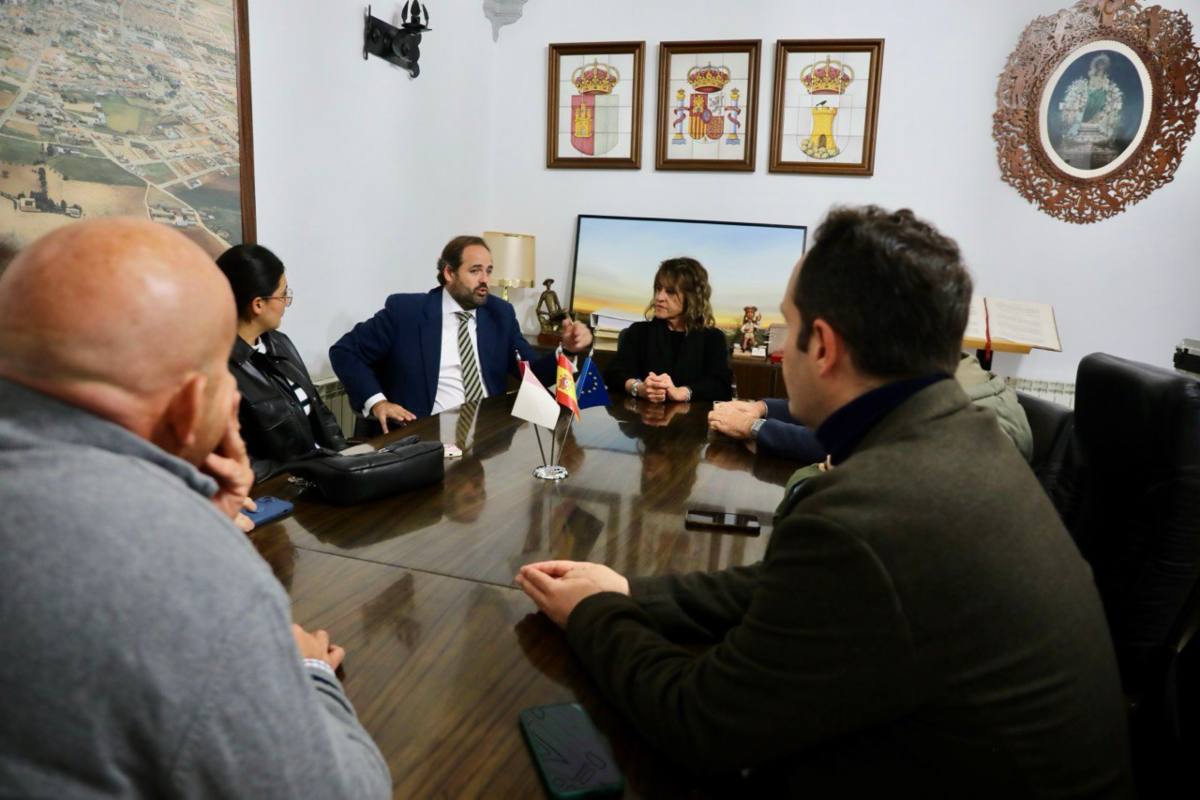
(748, 263)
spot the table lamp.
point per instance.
(512, 260)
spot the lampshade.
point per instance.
(512, 258)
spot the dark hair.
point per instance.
(8, 251)
(253, 271)
(452, 254)
(892, 286)
(691, 279)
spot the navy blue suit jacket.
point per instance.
(783, 436)
(398, 351)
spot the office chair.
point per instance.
(1132, 504)
(1054, 459)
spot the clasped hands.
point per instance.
(556, 587)
(316, 645)
(734, 417)
(659, 388)
(657, 415)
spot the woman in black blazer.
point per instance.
(678, 354)
(281, 415)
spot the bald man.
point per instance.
(151, 650)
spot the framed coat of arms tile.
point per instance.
(707, 105)
(826, 106)
(594, 114)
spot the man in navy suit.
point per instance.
(422, 354)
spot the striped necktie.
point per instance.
(472, 390)
(467, 413)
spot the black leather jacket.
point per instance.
(274, 424)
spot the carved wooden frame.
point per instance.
(1162, 40)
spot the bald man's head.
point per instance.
(116, 316)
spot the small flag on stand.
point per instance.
(564, 391)
(590, 386)
(533, 402)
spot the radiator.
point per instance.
(1054, 391)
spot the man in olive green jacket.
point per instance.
(989, 391)
(921, 621)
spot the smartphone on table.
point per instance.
(571, 755)
(724, 521)
(269, 509)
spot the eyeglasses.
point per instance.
(286, 297)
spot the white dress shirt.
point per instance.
(450, 392)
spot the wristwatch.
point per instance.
(755, 427)
(633, 390)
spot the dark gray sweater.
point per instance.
(148, 646)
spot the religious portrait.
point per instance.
(1095, 109)
(1096, 106)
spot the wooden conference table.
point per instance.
(443, 650)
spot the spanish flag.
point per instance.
(564, 386)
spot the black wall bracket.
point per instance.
(401, 46)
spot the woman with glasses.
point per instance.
(281, 415)
(678, 354)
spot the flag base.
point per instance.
(551, 472)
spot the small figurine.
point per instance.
(550, 312)
(751, 322)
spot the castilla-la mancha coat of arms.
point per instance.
(594, 109)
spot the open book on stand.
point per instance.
(1011, 326)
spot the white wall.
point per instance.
(1128, 285)
(363, 174)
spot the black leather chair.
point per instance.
(1123, 470)
(1053, 459)
(1137, 519)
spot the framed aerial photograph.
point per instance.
(150, 120)
(594, 110)
(707, 105)
(826, 105)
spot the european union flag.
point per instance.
(589, 386)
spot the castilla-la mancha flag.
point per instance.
(564, 386)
